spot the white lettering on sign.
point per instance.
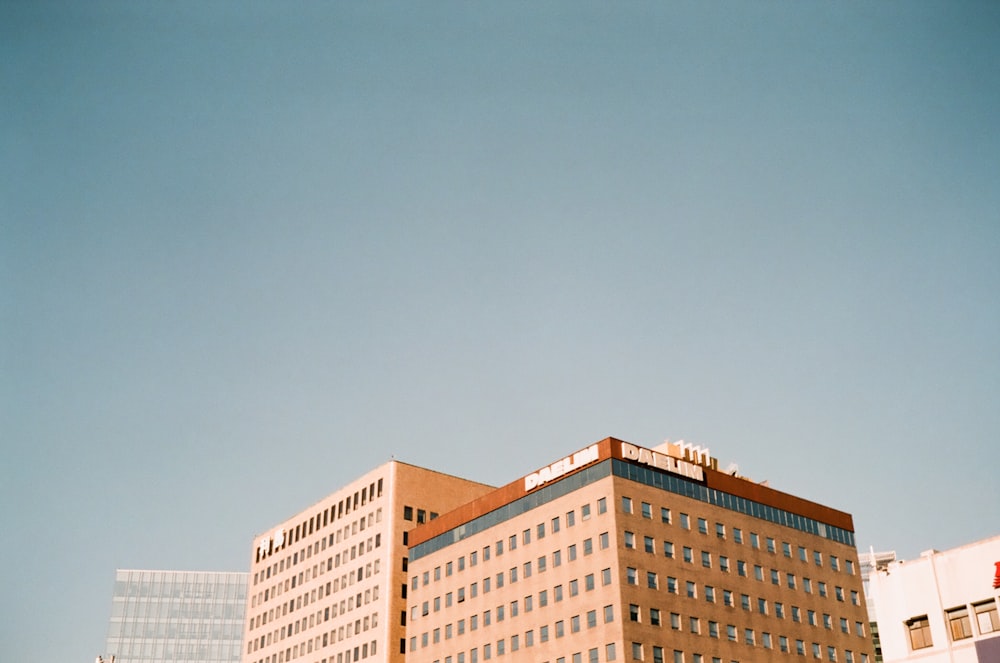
(561, 467)
(662, 461)
(271, 543)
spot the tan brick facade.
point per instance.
(594, 566)
(328, 585)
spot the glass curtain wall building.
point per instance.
(167, 616)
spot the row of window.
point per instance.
(959, 621)
(558, 629)
(775, 576)
(320, 617)
(278, 588)
(321, 519)
(357, 653)
(516, 573)
(657, 653)
(511, 542)
(341, 534)
(525, 604)
(654, 618)
(711, 595)
(646, 510)
(593, 655)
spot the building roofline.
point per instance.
(611, 447)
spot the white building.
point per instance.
(941, 607)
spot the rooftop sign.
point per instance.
(271, 543)
(662, 461)
(561, 467)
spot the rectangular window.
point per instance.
(685, 521)
(668, 549)
(626, 504)
(720, 530)
(647, 510)
(630, 576)
(688, 554)
(585, 512)
(986, 617)
(648, 544)
(665, 515)
(959, 624)
(702, 526)
(602, 507)
(629, 540)
(706, 559)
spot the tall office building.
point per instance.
(329, 585)
(623, 553)
(176, 616)
(940, 607)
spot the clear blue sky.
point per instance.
(252, 250)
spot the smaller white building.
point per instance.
(941, 607)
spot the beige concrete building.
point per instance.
(941, 607)
(329, 585)
(622, 553)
